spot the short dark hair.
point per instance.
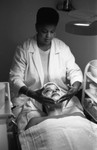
(47, 16)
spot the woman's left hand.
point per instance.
(71, 92)
(73, 89)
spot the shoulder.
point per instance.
(26, 45)
(22, 50)
(61, 45)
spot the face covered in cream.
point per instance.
(51, 90)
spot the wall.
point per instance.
(85, 5)
(83, 47)
(17, 18)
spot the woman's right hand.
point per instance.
(37, 95)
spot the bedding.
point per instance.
(73, 132)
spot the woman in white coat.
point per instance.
(39, 60)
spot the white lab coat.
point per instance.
(27, 69)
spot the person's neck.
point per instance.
(45, 47)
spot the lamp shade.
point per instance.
(81, 28)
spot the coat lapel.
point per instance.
(38, 63)
(52, 62)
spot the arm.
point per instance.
(17, 77)
(76, 85)
(74, 75)
(17, 71)
(36, 95)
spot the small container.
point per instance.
(93, 89)
(93, 68)
(67, 5)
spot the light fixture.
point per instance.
(81, 27)
(66, 5)
(82, 24)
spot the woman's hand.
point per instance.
(71, 92)
(37, 95)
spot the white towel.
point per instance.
(68, 133)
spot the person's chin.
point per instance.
(47, 41)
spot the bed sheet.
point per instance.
(68, 133)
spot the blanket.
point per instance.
(67, 133)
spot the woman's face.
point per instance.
(45, 34)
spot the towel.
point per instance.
(67, 133)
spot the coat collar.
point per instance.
(37, 60)
(33, 45)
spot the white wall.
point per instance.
(17, 18)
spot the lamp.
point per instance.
(66, 5)
(81, 28)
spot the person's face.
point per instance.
(45, 34)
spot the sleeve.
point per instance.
(17, 71)
(74, 72)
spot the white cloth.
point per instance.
(27, 111)
(45, 63)
(68, 133)
(27, 67)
